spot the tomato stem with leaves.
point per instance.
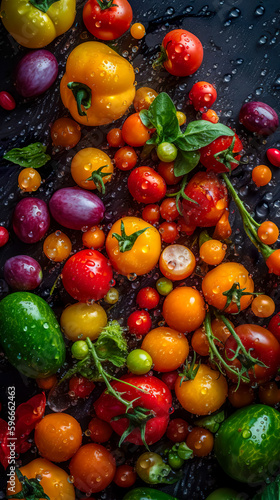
(181, 193)
(234, 295)
(42, 5)
(226, 157)
(97, 178)
(189, 371)
(106, 4)
(82, 94)
(126, 242)
(31, 489)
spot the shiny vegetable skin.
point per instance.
(33, 28)
(30, 335)
(31, 220)
(247, 445)
(35, 73)
(147, 494)
(259, 117)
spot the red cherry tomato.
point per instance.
(7, 101)
(168, 209)
(125, 158)
(184, 52)
(146, 185)
(168, 232)
(87, 275)
(114, 138)
(273, 156)
(169, 379)
(81, 386)
(202, 95)
(139, 323)
(125, 476)
(147, 298)
(100, 431)
(151, 214)
(210, 116)
(107, 22)
(222, 148)
(4, 236)
(177, 430)
(274, 326)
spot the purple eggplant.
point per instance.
(35, 73)
(22, 272)
(259, 117)
(31, 220)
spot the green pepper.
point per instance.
(147, 494)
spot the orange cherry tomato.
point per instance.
(273, 262)
(177, 262)
(212, 252)
(263, 306)
(134, 131)
(86, 163)
(100, 431)
(220, 331)
(58, 436)
(94, 238)
(168, 209)
(261, 175)
(65, 132)
(204, 394)
(54, 480)
(241, 396)
(29, 180)
(201, 441)
(199, 342)
(46, 383)
(210, 115)
(223, 229)
(221, 279)
(138, 31)
(268, 232)
(57, 246)
(93, 468)
(142, 255)
(144, 98)
(166, 170)
(167, 348)
(114, 138)
(184, 309)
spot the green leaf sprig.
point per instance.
(42, 5)
(31, 156)
(31, 489)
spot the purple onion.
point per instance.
(35, 73)
(22, 273)
(76, 208)
(31, 220)
(259, 117)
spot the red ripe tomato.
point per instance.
(273, 156)
(125, 476)
(166, 170)
(146, 185)
(274, 326)
(4, 236)
(211, 196)
(155, 397)
(202, 95)
(262, 345)
(100, 431)
(222, 148)
(147, 298)
(87, 275)
(151, 214)
(139, 323)
(168, 232)
(81, 386)
(168, 209)
(183, 52)
(107, 20)
(169, 379)
(177, 430)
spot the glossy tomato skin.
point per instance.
(167, 348)
(157, 397)
(274, 326)
(211, 196)
(87, 276)
(110, 23)
(202, 95)
(221, 144)
(262, 345)
(184, 52)
(139, 323)
(146, 185)
(184, 309)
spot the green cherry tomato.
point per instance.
(139, 362)
(167, 152)
(174, 460)
(79, 349)
(164, 286)
(112, 296)
(223, 494)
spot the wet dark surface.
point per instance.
(241, 57)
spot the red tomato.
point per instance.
(81, 386)
(146, 185)
(202, 95)
(107, 20)
(151, 214)
(166, 170)
(274, 326)
(87, 275)
(139, 323)
(211, 196)
(168, 209)
(177, 430)
(125, 476)
(169, 379)
(210, 116)
(184, 52)
(125, 158)
(4, 236)
(262, 345)
(168, 232)
(147, 298)
(221, 145)
(157, 398)
(100, 431)
(273, 156)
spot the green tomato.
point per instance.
(164, 286)
(247, 445)
(79, 349)
(139, 362)
(174, 460)
(112, 296)
(223, 494)
(144, 493)
(166, 151)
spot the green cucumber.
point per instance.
(147, 494)
(30, 335)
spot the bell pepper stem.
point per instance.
(82, 94)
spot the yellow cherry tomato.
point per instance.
(167, 348)
(29, 180)
(131, 252)
(82, 320)
(88, 163)
(181, 117)
(57, 246)
(138, 31)
(144, 98)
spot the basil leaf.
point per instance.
(30, 156)
(146, 151)
(42, 5)
(144, 116)
(185, 162)
(200, 133)
(111, 344)
(162, 115)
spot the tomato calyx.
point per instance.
(31, 488)
(211, 422)
(234, 295)
(180, 450)
(82, 94)
(42, 5)
(190, 370)
(97, 178)
(203, 237)
(181, 193)
(126, 242)
(137, 420)
(106, 4)
(227, 156)
(162, 57)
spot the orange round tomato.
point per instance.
(221, 279)
(131, 253)
(201, 441)
(29, 180)
(167, 348)
(65, 133)
(94, 238)
(54, 480)
(184, 309)
(85, 165)
(134, 132)
(204, 394)
(93, 468)
(144, 98)
(177, 262)
(58, 436)
(57, 246)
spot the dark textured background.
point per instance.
(242, 58)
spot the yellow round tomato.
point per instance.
(184, 309)
(167, 348)
(129, 253)
(82, 320)
(86, 163)
(204, 394)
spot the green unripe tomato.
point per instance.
(112, 296)
(139, 362)
(223, 494)
(79, 349)
(164, 286)
(167, 152)
(174, 460)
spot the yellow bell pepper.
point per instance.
(36, 23)
(98, 86)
